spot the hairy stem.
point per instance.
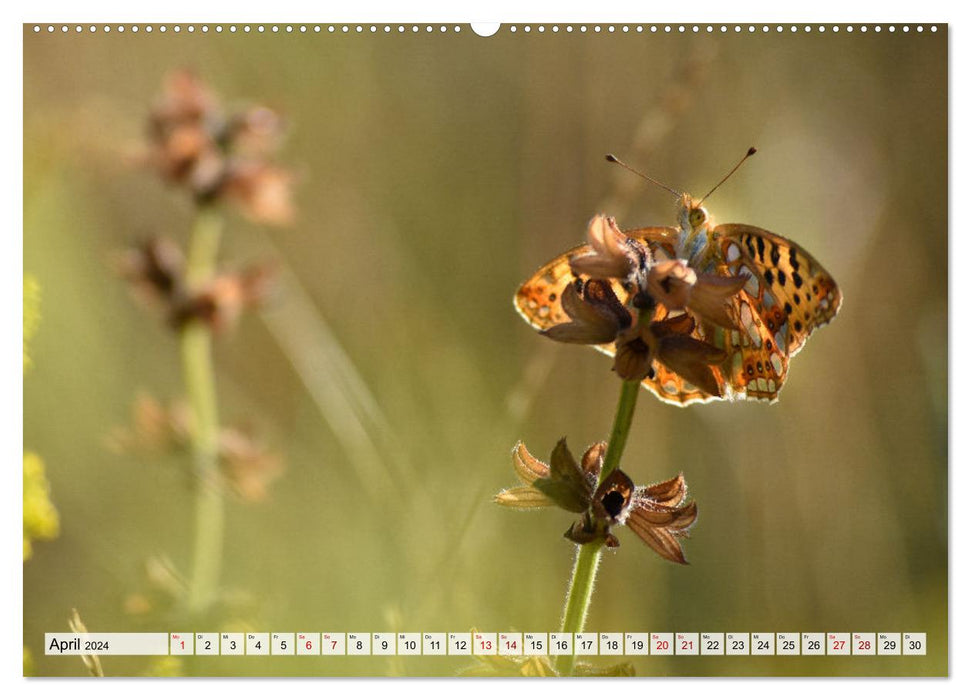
(200, 385)
(588, 556)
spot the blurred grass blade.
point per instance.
(336, 387)
(91, 661)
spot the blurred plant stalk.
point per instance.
(200, 385)
(588, 555)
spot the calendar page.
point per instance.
(517, 349)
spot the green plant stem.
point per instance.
(588, 556)
(622, 422)
(200, 385)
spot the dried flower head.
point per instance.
(256, 131)
(247, 465)
(156, 271)
(185, 100)
(562, 482)
(221, 301)
(659, 514)
(262, 191)
(193, 144)
(245, 462)
(608, 507)
(597, 317)
(626, 296)
(596, 314)
(182, 127)
(154, 428)
(613, 255)
(678, 287)
(672, 283)
(671, 343)
(155, 268)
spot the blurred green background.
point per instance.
(437, 171)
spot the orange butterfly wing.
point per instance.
(755, 367)
(795, 295)
(538, 301)
(788, 295)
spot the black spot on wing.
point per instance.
(793, 260)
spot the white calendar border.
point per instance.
(362, 10)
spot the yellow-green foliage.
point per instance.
(41, 521)
(31, 313)
(165, 667)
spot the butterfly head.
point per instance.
(692, 216)
(697, 217)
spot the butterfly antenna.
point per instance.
(751, 152)
(611, 158)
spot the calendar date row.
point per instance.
(491, 643)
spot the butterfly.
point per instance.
(787, 296)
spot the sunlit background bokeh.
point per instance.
(436, 172)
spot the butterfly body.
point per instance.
(786, 296)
